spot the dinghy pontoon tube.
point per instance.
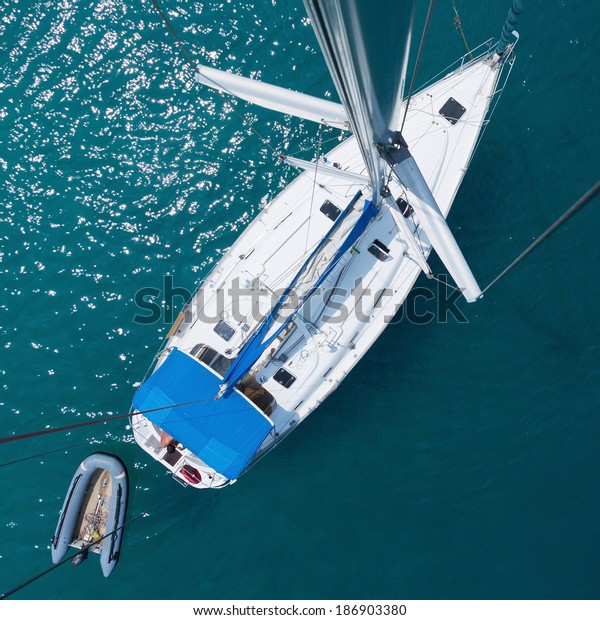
(93, 513)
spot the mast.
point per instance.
(369, 75)
(366, 45)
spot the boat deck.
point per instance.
(93, 516)
(329, 336)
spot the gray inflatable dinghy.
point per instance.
(93, 513)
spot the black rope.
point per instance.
(87, 547)
(595, 189)
(174, 34)
(48, 431)
(33, 456)
(414, 74)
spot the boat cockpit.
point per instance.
(248, 386)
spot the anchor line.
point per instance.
(570, 212)
(458, 25)
(86, 548)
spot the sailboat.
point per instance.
(308, 287)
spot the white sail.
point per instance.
(274, 97)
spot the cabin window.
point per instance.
(330, 210)
(283, 377)
(452, 111)
(224, 330)
(379, 250)
(204, 354)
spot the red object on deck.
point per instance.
(191, 474)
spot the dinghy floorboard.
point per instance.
(94, 510)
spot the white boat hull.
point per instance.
(318, 354)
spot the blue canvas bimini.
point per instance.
(223, 433)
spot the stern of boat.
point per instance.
(185, 467)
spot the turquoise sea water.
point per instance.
(456, 461)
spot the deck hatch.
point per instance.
(330, 210)
(404, 207)
(379, 250)
(283, 377)
(224, 330)
(452, 110)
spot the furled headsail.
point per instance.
(269, 329)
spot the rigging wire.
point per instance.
(87, 547)
(170, 28)
(589, 195)
(312, 198)
(418, 60)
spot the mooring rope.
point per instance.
(33, 456)
(87, 547)
(570, 212)
(68, 427)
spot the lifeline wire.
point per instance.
(86, 548)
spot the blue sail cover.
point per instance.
(223, 433)
(369, 212)
(257, 344)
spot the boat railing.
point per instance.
(462, 62)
